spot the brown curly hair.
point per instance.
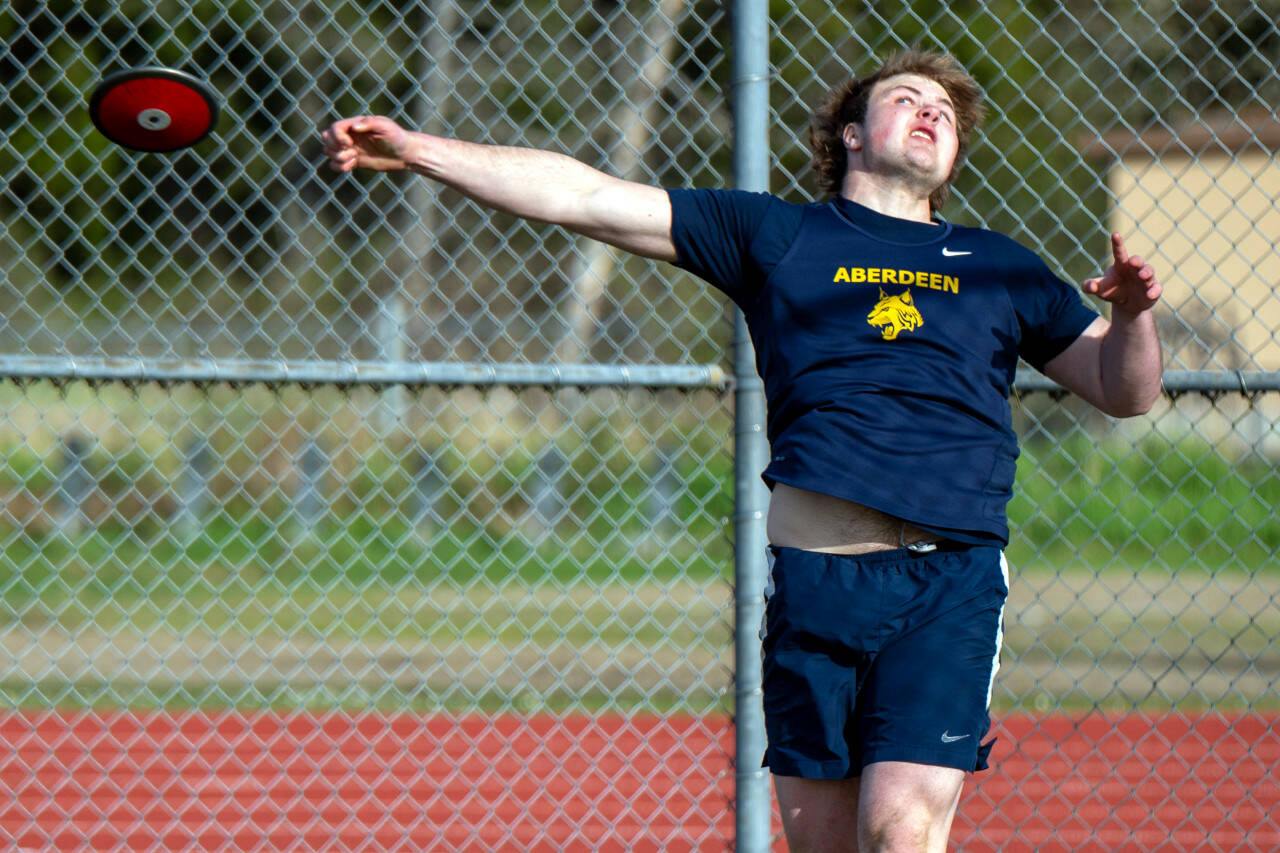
(847, 103)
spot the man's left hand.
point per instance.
(1129, 283)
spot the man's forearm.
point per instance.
(1131, 363)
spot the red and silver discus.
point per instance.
(153, 109)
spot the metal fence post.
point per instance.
(425, 492)
(194, 495)
(751, 172)
(310, 502)
(76, 483)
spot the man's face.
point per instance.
(909, 132)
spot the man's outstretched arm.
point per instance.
(531, 184)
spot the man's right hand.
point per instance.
(365, 142)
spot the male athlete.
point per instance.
(887, 339)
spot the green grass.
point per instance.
(364, 579)
(1155, 506)
(369, 591)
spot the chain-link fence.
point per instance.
(339, 513)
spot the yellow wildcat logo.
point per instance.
(894, 315)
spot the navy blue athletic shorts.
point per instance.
(888, 656)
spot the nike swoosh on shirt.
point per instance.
(947, 737)
(953, 253)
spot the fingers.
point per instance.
(339, 147)
(1127, 264)
(340, 144)
(1139, 270)
(1117, 249)
(338, 135)
(1129, 281)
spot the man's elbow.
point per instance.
(1134, 403)
(1128, 409)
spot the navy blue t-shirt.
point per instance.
(887, 347)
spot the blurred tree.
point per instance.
(242, 245)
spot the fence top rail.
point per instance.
(68, 368)
(64, 368)
(1178, 381)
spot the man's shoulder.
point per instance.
(998, 247)
(744, 212)
(734, 197)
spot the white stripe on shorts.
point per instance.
(770, 559)
(995, 662)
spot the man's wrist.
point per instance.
(1122, 311)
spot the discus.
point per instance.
(153, 109)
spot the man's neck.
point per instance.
(887, 198)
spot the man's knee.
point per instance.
(907, 808)
(913, 828)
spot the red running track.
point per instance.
(333, 781)
(258, 781)
(1131, 783)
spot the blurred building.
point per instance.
(1202, 202)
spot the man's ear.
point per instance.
(852, 136)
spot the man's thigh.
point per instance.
(818, 815)
(893, 806)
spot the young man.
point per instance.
(887, 340)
